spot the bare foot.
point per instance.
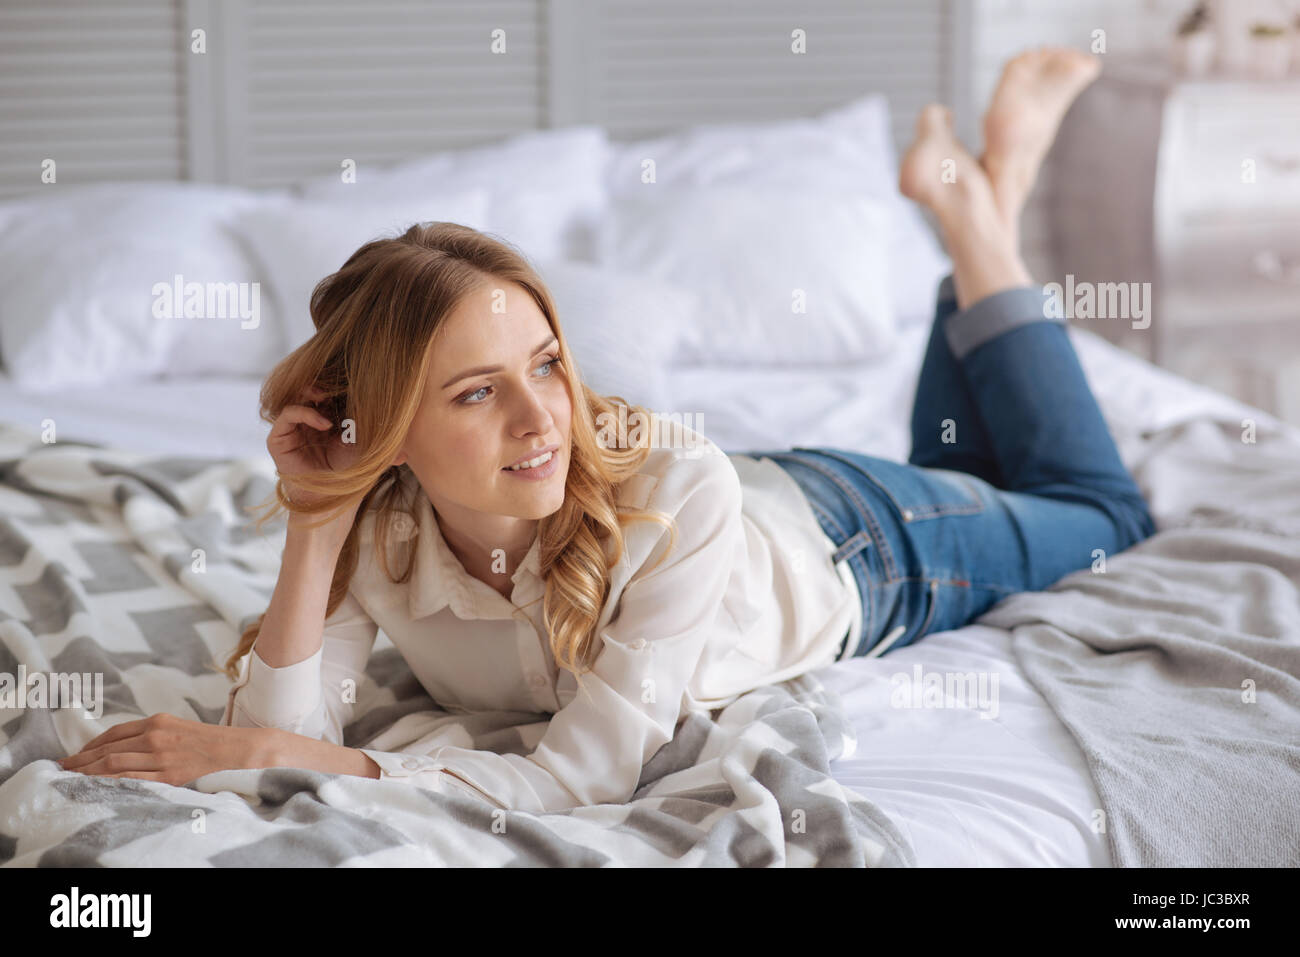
(937, 171)
(942, 176)
(1036, 90)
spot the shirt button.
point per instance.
(536, 680)
(410, 764)
(402, 524)
(638, 644)
(907, 514)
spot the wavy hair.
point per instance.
(375, 323)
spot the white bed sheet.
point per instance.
(967, 790)
(211, 417)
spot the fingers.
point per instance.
(142, 775)
(112, 762)
(286, 426)
(89, 755)
(126, 729)
(301, 414)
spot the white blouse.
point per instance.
(749, 595)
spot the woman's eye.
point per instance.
(468, 398)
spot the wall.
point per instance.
(1001, 28)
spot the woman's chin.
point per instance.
(533, 500)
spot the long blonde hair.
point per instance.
(375, 321)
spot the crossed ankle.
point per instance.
(977, 229)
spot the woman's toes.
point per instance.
(1032, 96)
(920, 167)
(935, 120)
(936, 171)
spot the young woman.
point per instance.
(449, 480)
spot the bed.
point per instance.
(1145, 716)
(964, 791)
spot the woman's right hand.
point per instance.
(304, 440)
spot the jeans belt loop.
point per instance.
(858, 542)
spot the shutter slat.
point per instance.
(96, 87)
(381, 82)
(102, 87)
(679, 62)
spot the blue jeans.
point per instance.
(1014, 479)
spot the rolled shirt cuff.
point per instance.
(280, 697)
(422, 771)
(993, 315)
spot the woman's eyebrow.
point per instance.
(484, 370)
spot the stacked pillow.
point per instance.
(826, 185)
(622, 328)
(545, 187)
(296, 243)
(748, 244)
(89, 279)
(85, 270)
(783, 277)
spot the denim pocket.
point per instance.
(916, 492)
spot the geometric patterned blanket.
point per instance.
(136, 574)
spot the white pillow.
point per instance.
(547, 186)
(296, 244)
(79, 267)
(782, 276)
(622, 329)
(847, 148)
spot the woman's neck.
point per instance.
(492, 551)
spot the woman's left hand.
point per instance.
(163, 747)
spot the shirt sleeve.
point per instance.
(628, 706)
(314, 697)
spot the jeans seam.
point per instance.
(866, 602)
(962, 478)
(877, 533)
(960, 583)
(934, 604)
(923, 511)
(828, 518)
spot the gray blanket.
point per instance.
(1177, 669)
(142, 570)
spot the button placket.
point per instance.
(532, 661)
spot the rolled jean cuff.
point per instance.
(947, 290)
(994, 315)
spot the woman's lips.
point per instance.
(545, 470)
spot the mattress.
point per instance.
(966, 787)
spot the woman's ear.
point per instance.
(401, 458)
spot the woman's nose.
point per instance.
(534, 415)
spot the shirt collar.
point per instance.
(439, 579)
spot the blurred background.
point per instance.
(1180, 168)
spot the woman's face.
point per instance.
(493, 397)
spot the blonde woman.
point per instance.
(450, 480)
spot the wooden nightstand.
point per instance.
(1194, 187)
